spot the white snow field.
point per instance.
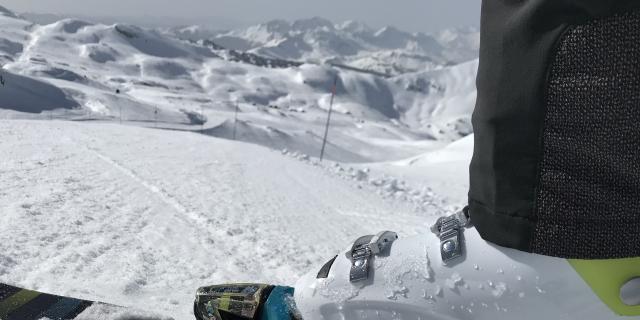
(142, 217)
(127, 179)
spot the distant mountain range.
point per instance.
(387, 51)
(143, 21)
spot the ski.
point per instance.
(222, 302)
(22, 304)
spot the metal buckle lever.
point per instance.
(450, 240)
(363, 251)
(450, 231)
(360, 256)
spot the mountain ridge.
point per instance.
(121, 71)
(350, 43)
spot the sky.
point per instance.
(410, 15)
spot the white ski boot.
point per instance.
(454, 274)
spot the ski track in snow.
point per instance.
(142, 217)
(162, 194)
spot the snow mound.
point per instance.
(24, 94)
(445, 169)
(456, 151)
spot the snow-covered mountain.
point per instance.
(87, 70)
(387, 50)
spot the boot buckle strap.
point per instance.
(450, 231)
(364, 249)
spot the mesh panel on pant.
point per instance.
(588, 198)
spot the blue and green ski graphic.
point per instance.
(22, 304)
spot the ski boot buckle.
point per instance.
(364, 249)
(450, 231)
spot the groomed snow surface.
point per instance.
(142, 217)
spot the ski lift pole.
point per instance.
(119, 107)
(202, 120)
(235, 121)
(156, 117)
(326, 129)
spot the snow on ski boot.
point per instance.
(244, 301)
(452, 273)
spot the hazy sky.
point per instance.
(411, 15)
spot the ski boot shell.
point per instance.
(488, 282)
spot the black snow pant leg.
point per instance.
(556, 164)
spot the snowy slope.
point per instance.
(25, 94)
(441, 100)
(14, 35)
(445, 171)
(146, 216)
